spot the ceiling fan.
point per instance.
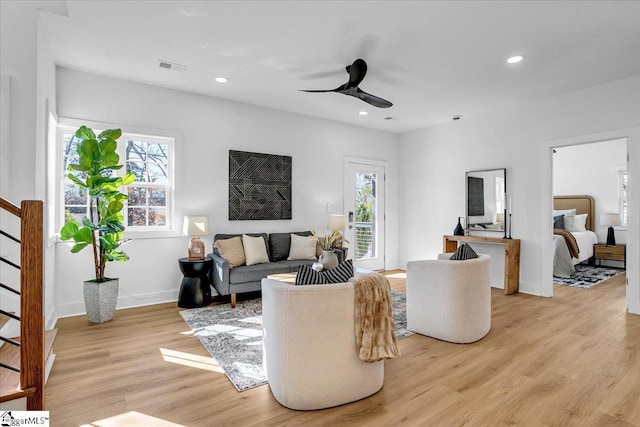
(357, 71)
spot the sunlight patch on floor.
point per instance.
(132, 418)
(192, 360)
(398, 275)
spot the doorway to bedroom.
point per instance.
(590, 212)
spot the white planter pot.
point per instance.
(100, 300)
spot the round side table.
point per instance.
(195, 289)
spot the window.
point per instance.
(622, 191)
(149, 158)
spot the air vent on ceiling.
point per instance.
(171, 66)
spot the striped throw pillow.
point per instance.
(308, 276)
(464, 252)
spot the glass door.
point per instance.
(364, 203)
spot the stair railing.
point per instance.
(31, 343)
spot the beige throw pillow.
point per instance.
(302, 247)
(255, 251)
(231, 250)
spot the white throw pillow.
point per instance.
(579, 222)
(564, 212)
(569, 221)
(255, 250)
(302, 247)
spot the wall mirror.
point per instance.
(486, 205)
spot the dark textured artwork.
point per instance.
(475, 196)
(259, 186)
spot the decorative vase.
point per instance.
(459, 231)
(100, 299)
(328, 259)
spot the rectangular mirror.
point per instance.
(486, 193)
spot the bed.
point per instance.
(568, 241)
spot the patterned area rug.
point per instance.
(233, 337)
(587, 276)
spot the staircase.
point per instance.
(23, 358)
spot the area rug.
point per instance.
(587, 276)
(233, 336)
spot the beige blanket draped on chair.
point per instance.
(375, 329)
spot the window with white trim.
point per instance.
(622, 191)
(149, 158)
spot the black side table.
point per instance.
(195, 289)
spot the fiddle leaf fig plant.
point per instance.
(103, 229)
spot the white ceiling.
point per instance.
(433, 60)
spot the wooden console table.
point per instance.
(511, 256)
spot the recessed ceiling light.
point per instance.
(515, 59)
(363, 113)
(221, 79)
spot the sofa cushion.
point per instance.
(293, 265)
(265, 236)
(231, 250)
(280, 243)
(256, 273)
(302, 247)
(255, 250)
(308, 276)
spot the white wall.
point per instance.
(592, 169)
(435, 160)
(208, 129)
(26, 59)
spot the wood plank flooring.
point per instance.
(571, 360)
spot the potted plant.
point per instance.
(329, 243)
(103, 229)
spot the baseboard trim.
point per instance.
(128, 301)
(530, 288)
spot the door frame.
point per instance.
(367, 162)
(632, 135)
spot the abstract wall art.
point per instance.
(259, 186)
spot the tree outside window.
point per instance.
(149, 159)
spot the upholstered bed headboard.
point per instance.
(582, 204)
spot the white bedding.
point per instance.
(585, 240)
(563, 265)
(562, 261)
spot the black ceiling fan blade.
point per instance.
(338, 89)
(373, 100)
(357, 71)
(317, 91)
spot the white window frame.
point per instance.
(624, 199)
(172, 228)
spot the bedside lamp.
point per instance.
(337, 223)
(610, 219)
(195, 226)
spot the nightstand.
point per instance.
(613, 253)
(195, 289)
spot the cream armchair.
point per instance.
(310, 347)
(449, 300)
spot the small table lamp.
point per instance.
(337, 223)
(195, 226)
(610, 219)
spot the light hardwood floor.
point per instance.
(568, 360)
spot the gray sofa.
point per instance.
(232, 281)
